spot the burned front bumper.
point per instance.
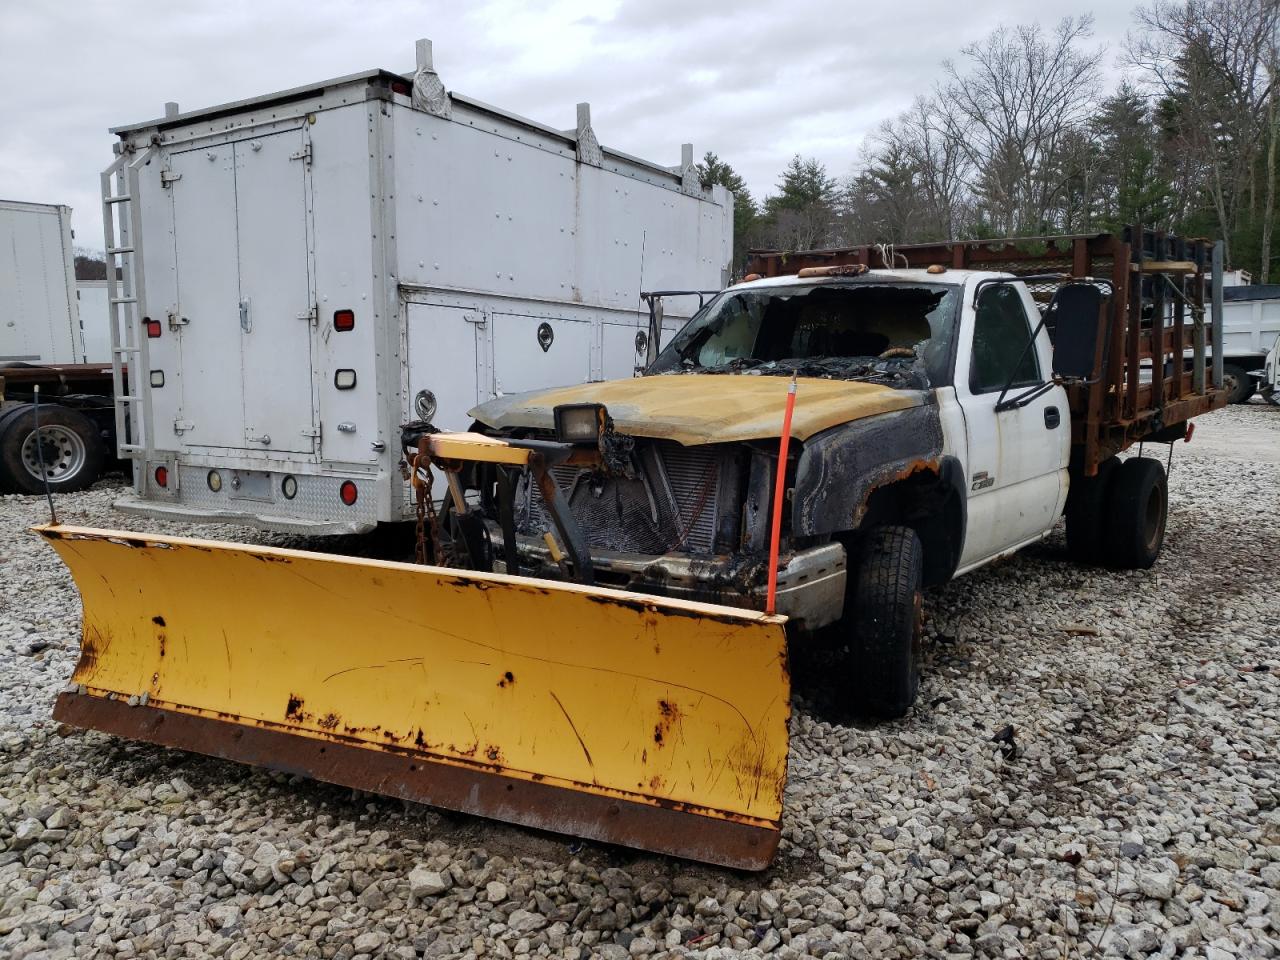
(811, 582)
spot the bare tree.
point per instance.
(1213, 64)
(1018, 96)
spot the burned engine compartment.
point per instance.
(670, 498)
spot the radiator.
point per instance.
(635, 516)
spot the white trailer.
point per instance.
(39, 322)
(304, 272)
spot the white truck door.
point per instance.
(208, 284)
(275, 304)
(443, 363)
(1017, 458)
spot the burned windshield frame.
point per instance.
(940, 363)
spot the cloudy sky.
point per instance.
(754, 80)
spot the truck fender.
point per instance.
(889, 467)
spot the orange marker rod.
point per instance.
(779, 494)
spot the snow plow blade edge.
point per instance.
(654, 723)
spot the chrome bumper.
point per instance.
(811, 583)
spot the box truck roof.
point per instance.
(390, 81)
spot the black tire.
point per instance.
(1239, 384)
(1086, 513)
(884, 623)
(73, 449)
(6, 415)
(1137, 509)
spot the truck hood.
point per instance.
(694, 409)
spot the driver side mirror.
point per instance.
(1077, 325)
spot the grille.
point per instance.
(638, 515)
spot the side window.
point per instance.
(1001, 330)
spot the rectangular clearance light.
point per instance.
(344, 379)
(152, 326)
(344, 320)
(157, 378)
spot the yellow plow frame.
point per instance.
(654, 723)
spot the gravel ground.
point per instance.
(1091, 770)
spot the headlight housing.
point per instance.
(581, 423)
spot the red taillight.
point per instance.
(153, 327)
(348, 493)
(344, 320)
(162, 476)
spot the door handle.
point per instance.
(1051, 417)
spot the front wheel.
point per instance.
(67, 451)
(884, 622)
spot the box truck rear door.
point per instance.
(204, 227)
(275, 293)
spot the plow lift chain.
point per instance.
(458, 536)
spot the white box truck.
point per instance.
(1250, 325)
(42, 344)
(305, 271)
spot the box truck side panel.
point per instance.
(530, 352)
(480, 211)
(444, 362)
(342, 188)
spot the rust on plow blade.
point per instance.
(654, 723)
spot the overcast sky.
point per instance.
(754, 80)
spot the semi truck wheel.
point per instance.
(885, 623)
(1086, 513)
(1137, 508)
(1239, 384)
(68, 440)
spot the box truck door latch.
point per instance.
(169, 177)
(176, 320)
(182, 426)
(312, 316)
(304, 154)
(246, 322)
(265, 439)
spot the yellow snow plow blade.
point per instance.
(654, 723)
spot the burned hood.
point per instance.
(706, 408)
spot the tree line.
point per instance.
(1020, 138)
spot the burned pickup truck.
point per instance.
(947, 413)
(598, 644)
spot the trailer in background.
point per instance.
(42, 343)
(303, 272)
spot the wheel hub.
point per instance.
(61, 450)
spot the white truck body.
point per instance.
(1250, 320)
(92, 300)
(471, 252)
(39, 320)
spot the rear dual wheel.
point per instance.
(1117, 518)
